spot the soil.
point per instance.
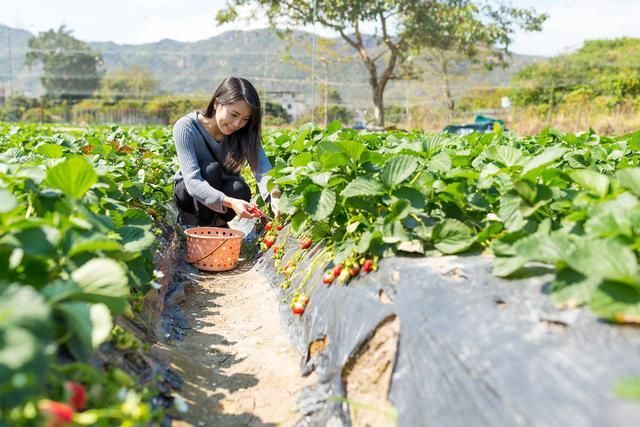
(367, 377)
(237, 364)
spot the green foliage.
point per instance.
(276, 111)
(569, 201)
(70, 67)
(171, 108)
(76, 245)
(601, 68)
(401, 28)
(134, 82)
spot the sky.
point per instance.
(571, 22)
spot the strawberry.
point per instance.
(297, 308)
(328, 277)
(344, 276)
(77, 395)
(288, 269)
(304, 299)
(337, 270)
(279, 227)
(367, 265)
(276, 248)
(306, 244)
(268, 226)
(56, 414)
(354, 270)
(269, 241)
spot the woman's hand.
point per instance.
(242, 208)
(275, 202)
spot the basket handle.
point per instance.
(210, 253)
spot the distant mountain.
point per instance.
(259, 55)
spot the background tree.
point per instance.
(400, 26)
(329, 53)
(135, 82)
(70, 67)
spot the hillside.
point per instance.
(197, 67)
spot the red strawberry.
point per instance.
(297, 308)
(56, 414)
(276, 248)
(337, 270)
(268, 226)
(354, 270)
(306, 244)
(367, 265)
(279, 227)
(77, 395)
(269, 241)
(328, 277)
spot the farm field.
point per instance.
(85, 214)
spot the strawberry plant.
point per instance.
(571, 201)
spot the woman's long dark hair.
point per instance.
(244, 142)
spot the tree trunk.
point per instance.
(378, 104)
(450, 102)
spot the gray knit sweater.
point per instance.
(193, 156)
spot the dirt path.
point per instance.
(238, 367)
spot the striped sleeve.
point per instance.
(185, 139)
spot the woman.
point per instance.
(212, 147)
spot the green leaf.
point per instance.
(616, 302)
(286, 205)
(441, 162)
(334, 160)
(322, 178)
(52, 151)
(452, 236)
(320, 204)
(412, 195)
(510, 213)
(504, 155)
(353, 149)
(8, 201)
(302, 159)
(505, 266)
(135, 239)
(571, 289)
(74, 177)
(591, 181)
(101, 322)
(362, 186)
(334, 126)
(78, 322)
(398, 169)
(630, 179)
(606, 259)
(91, 243)
(19, 347)
(103, 280)
(542, 160)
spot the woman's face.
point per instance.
(232, 117)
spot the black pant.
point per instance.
(231, 185)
